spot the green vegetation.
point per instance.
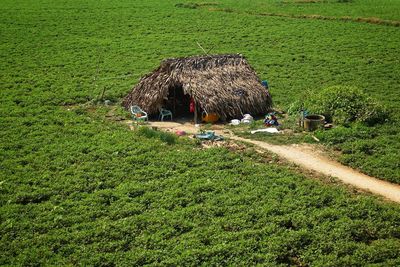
(110, 196)
(78, 188)
(384, 9)
(168, 138)
(374, 150)
(343, 105)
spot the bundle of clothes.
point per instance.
(271, 120)
(247, 118)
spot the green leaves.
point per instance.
(345, 104)
(165, 137)
(78, 189)
(374, 150)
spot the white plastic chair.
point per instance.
(138, 114)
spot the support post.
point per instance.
(174, 101)
(195, 113)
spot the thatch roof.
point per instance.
(222, 84)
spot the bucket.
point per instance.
(313, 122)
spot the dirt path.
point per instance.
(309, 159)
(306, 157)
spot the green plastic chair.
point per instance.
(138, 114)
(164, 113)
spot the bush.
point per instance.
(147, 132)
(345, 104)
(168, 138)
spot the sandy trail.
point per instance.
(305, 157)
(312, 160)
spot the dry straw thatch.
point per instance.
(223, 84)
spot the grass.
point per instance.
(290, 132)
(167, 138)
(365, 133)
(77, 188)
(373, 150)
(382, 10)
(113, 196)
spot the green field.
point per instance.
(78, 188)
(382, 9)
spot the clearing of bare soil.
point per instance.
(306, 156)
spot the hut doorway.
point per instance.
(179, 102)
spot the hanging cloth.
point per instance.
(191, 105)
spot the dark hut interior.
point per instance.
(178, 102)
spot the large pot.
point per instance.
(313, 122)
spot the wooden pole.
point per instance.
(205, 52)
(174, 101)
(195, 113)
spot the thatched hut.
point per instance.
(223, 84)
